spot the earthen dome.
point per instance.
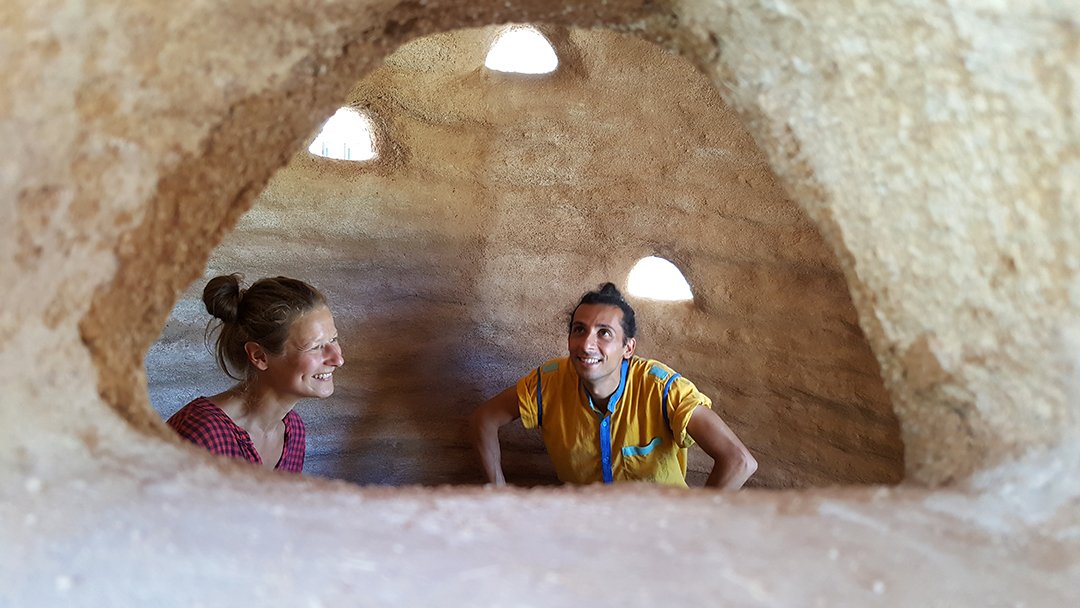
(876, 208)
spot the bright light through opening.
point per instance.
(658, 279)
(523, 50)
(346, 136)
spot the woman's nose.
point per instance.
(335, 355)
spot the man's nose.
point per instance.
(590, 339)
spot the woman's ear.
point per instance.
(257, 355)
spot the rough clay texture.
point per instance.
(499, 199)
(934, 145)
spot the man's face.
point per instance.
(598, 344)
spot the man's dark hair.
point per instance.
(609, 295)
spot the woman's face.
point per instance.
(306, 366)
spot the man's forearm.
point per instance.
(732, 472)
(486, 439)
(732, 462)
(490, 454)
(486, 422)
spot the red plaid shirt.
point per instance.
(204, 424)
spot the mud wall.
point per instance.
(500, 198)
(933, 144)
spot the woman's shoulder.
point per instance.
(198, 412)
(205, 424)
(293, 420)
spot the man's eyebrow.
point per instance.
(600, 325)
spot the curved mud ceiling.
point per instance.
(500, 198)
(968, 422)
(933, 144)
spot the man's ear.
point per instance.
(628, 348)
(257, 355)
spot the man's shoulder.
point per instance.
(651, 371)
(551, 366)
(553, 372)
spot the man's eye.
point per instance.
(605, 333)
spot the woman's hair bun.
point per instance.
(222, 297)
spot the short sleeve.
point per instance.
(526, 395)
(683, 399)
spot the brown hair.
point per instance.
(261, 313)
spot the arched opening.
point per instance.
(655, 278)
(979, 379)
(521, 49)
(427, 337)
(346, 135)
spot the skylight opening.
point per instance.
(522, 50)
(348, 135)
(658, 279)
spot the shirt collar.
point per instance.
(614, 399)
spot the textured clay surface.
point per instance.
(498, 200)
(932, 144)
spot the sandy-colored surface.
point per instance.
(498, 200)
(933, 145)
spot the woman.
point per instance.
(278, 339)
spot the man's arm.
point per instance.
(485, 421)
(733, 464)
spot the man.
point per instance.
(607, 415)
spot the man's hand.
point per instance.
(733, 463)
(485, 422)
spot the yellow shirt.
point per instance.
(643, 447)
